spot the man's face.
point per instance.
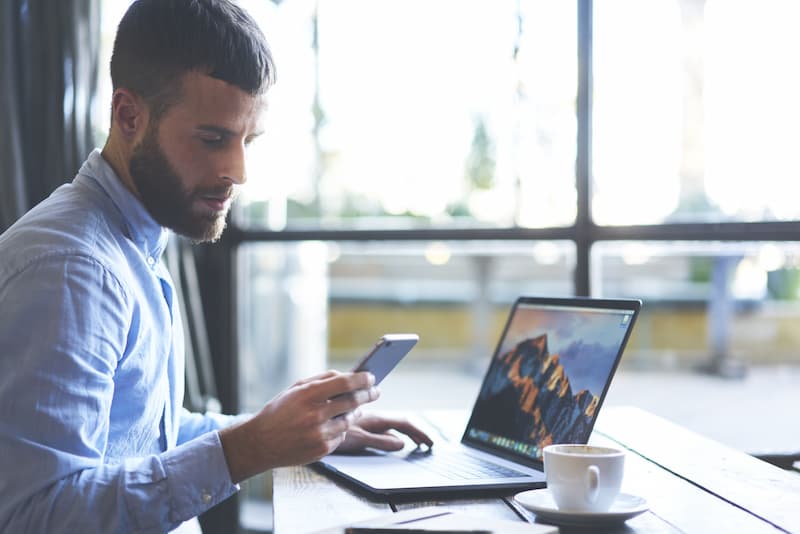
(190, 163)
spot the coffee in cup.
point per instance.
(583, 478)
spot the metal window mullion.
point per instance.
(584, 226)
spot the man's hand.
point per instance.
(300, 425)
(374, 431)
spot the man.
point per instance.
(92, 434)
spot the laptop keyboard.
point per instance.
(457, 466)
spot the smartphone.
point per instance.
(386, 354)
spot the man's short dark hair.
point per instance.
(158, 41)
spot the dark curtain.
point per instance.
(48, 74)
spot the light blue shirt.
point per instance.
(93, 436)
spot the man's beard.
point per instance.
(165, 198)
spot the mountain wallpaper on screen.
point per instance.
(527, 397)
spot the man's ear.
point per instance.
(129, 113)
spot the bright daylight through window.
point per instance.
(421, 114)
(692, 120)
(436, 113)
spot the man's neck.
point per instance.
(118, 157)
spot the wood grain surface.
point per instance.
(692, 484)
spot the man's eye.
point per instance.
(212, 141)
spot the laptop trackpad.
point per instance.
(383, 470)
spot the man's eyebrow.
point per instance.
(217, 130)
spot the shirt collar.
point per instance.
(140, 226)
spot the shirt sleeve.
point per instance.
(64, 323)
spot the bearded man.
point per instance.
(93, 436)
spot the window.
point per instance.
(707, 305)
(308, 305)
(417, 115)
(693, 122)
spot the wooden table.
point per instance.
(691, 483)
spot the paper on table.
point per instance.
(439, 517)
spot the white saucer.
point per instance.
(540, 502)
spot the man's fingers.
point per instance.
(320, 376)
(339, 384)
(383, 424)
(348, 402)
(384, 442)
(337, 427)
(417, 435)
(339, 424)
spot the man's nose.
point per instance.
(235, 169)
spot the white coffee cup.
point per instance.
(583, 478)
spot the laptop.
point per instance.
(544, 384)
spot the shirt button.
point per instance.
(151, 261)
(206, 497)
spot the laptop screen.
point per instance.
(549, 374)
